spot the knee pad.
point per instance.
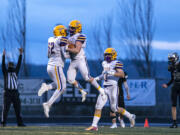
(63, 86)
(70, 81)
(63, 90)
(98, 106)
(87, 78)
(113, 108)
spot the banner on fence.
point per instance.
(28, 91)
(142, 93)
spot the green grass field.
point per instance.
(79, 130)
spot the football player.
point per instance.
(112, 71)
(56, 55)
(77, 43)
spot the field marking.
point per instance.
(50, 132)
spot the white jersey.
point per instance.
(112, 66)
(78, 37)
(56, 47)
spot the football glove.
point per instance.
(97, 78)
(111, 72)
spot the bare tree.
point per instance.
(96, 40)
(137, 28)
(13, 33)
(107, 28)
(101, 37)
(102, 34)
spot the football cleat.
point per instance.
(132, 120)
(46, 109)
(174, 125)
(122, 124)
(43, 89)
(114, 125)
(83, 95)
(92, 128)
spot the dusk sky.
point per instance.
(43, 15)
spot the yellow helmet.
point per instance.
(110, 54)
(60, 30)
(75, 27)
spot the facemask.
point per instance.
(108, 58)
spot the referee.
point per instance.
(11, 94)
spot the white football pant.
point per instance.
(75, 65)
(57, 75)
(111, 92)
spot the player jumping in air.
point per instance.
(56, 55)
(77, 43)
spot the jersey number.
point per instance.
(50, 48)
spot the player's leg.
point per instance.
(71, 76)
(83, 68)
(173, 108)
(121, 104)
(60, 80)
(127, 114)
(81, 89)
(97, 115)
(121, 110)
(113, 119)
(45, 87)
(113, 92)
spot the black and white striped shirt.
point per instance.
(10, 75)
(12, 81)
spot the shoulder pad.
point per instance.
(81, 38)
(119, 64)
(63, 41)
(103, 63)
(50, 38)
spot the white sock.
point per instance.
(101, 90)
(95, 84)
(78, 85)
(95, 121)
(51, 86)
(53, 98)
(119, 118)
(127, 114)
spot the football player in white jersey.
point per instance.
(113, 70)
(56, 55)
(77, 43)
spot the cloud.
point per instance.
(164, 45)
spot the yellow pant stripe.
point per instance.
(97, 115)
(123, 112)
(57, 78)
(98, 87)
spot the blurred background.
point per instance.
(143, 32)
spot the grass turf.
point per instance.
(79, 130)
